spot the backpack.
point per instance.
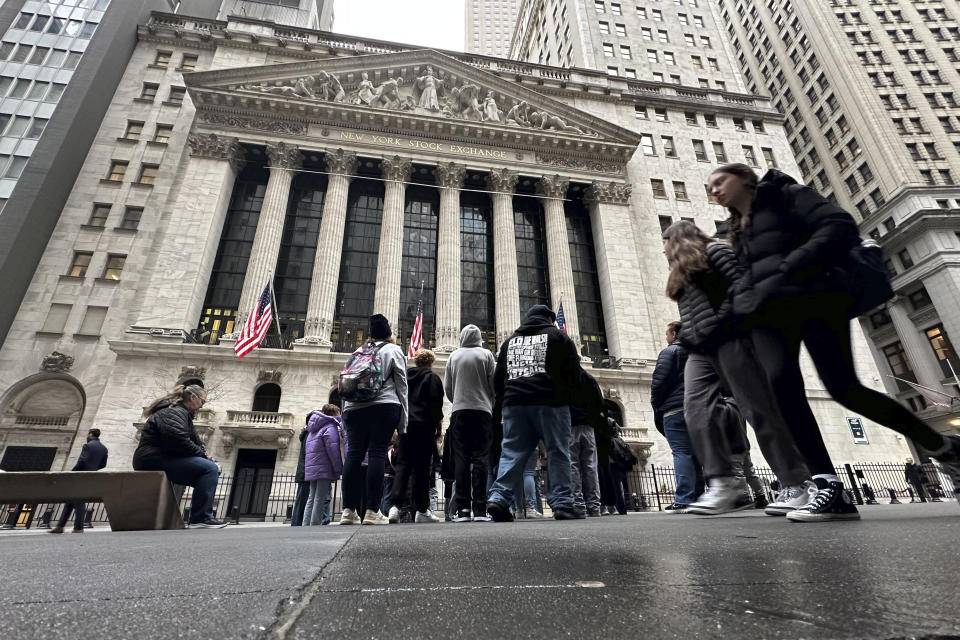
(865, 277)
(362, 377)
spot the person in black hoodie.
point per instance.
(169, 443)
(794, 243)
(415, 448)
(303, 487)
(537, 373)
(587, 416)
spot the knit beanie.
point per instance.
(380, 327)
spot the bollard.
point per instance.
(236, 515)
(893, 496)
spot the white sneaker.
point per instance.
(724, 494)
(423, 516)
(349, 516)
(374, 517)
(394, 515)
(533, 514)
(791, 498)
(481, 518)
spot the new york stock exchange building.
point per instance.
(354, 175)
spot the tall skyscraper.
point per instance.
(869, 91)
(488, 25)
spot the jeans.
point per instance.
(299, 504)
(313, 513)
(368, 431)
(525, 496)
(686, 469)
(201, 474)
(470, 430)
(80, 508)
(583, 468)
(387, 500)
(523, 427)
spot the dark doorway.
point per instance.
(28, 458)
(252, 480)
(267, 398)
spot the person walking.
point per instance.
(416, 448)
(794, 244)
(93, 457)
(666, 397)
(537, 373)
(375, 377)
(303, 487)
(169, 443)
(721, 360)
(324, 460)
(468, 381)
(587, 416)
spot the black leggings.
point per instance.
(820, 323)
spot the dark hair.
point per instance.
(686, 249)
(94, 432)
(750, 180)
(675, 326)
(330, 410)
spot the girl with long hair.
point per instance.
(793, 244)
(721, 361)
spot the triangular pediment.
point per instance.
(422, 90)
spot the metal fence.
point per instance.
(650, 489)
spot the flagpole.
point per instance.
(275, 312)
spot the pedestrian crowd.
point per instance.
(791, 271)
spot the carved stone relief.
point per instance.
(262, 124)
(56, 362)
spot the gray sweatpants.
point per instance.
(734, 367)
(583, 468)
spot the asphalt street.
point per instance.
(891, 575)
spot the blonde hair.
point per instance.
(178, 395)
(424, 358)
(686, 249)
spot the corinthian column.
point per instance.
(554, 188)
(285, 160)
(326, 264)
(386, 299)
(449, 179)
(506, 280)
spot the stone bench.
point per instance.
(134, 500)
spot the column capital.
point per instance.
(503, 180)
(553, 186)
(450, 175)
(341, 162)
(609, 193)
(284, 156)
(396, 169)
(210, 145)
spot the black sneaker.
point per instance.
(676, 507)
(498, 512)
(463, 515)
(568, 514)
(209, 523)
(830, 503)
(950, 461)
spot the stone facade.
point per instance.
(273, 99)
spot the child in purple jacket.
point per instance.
(324, 459)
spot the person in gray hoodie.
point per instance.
(469, 386)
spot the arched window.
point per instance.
(267, 398)
(531, 253)
(419, 261)
(477, 292)
(583, 259)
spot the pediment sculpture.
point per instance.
(431, 93)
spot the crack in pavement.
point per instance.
(164, 596)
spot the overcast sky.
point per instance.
(429, 23)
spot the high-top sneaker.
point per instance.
(791, 498)
(724, 494)
(950, 461)
(830, 503)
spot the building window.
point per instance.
(640, 112)
(92, 321)
(879, 319)
(98, 217)
(163, 133)
(134, 129)
(652, 56)
(599, 6)
(710, 119)
(118, 170)
(768, 157)
(419, 261)
(81, 260)
(700, 150)
(660, 115)
(905, 259)
(646, 143)
(659, 190)
(613, 71)
(531, 236)
(944, 351)
(188, 62)
(625, 52)
(920, 299)
(615, 9)
(621, 30)
(148, 174)
(56, 318)
(680, 191)
(691, 118)
(669, 149)
(607, 50)
(665, 222)
(604, 28)
(162, 59)
(149, 91)
(720, 152)
(749, 155)
(176, 95)
(131, 218)
(114, 267)
(899, 365)
(586, 281)
(758, 126)
(477, 290)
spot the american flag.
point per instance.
(256, 326)
(416, 338)
(561, 321)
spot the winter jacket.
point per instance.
(394, 390)
(93, 456)
(789, 242)
(705, 303)
(587, 406)
(425, 393)
(323, 458)
(167, 433)
(538, 364)
(468, 378)
(666, 387)
(302, 458)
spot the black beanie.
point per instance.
(380, 327)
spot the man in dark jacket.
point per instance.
(93, 457)
(416, 447)
(587, 415)
(666, 396)
(537, 373)
(303, 487)
(169, 443)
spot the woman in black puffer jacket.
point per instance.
(793, 243)
(721, 362)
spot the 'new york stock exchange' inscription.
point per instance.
(409, 143)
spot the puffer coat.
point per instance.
(706, 304)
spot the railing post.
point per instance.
(656, 487)
(853, 484)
